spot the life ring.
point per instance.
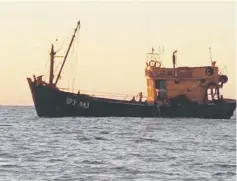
(154, 63)
(209, 71)
(223, 79)
(158, 64)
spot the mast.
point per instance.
(78, 26)
(52, 53)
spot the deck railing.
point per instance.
(108, 95)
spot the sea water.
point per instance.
(33, 148)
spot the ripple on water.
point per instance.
(32, 148)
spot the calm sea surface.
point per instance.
(33, 148)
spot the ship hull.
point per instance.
(51, 102)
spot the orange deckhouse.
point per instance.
(199, 84)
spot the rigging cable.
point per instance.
(76, 61)
(46, 68)
(70, 81)
(66, 39)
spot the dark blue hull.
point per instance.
(51, 102)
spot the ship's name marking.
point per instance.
(74, 102)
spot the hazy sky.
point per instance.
(112, 42)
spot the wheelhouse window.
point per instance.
(212, 93)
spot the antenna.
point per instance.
(210, 54)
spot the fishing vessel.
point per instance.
(192, 92)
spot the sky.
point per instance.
(109, 52)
